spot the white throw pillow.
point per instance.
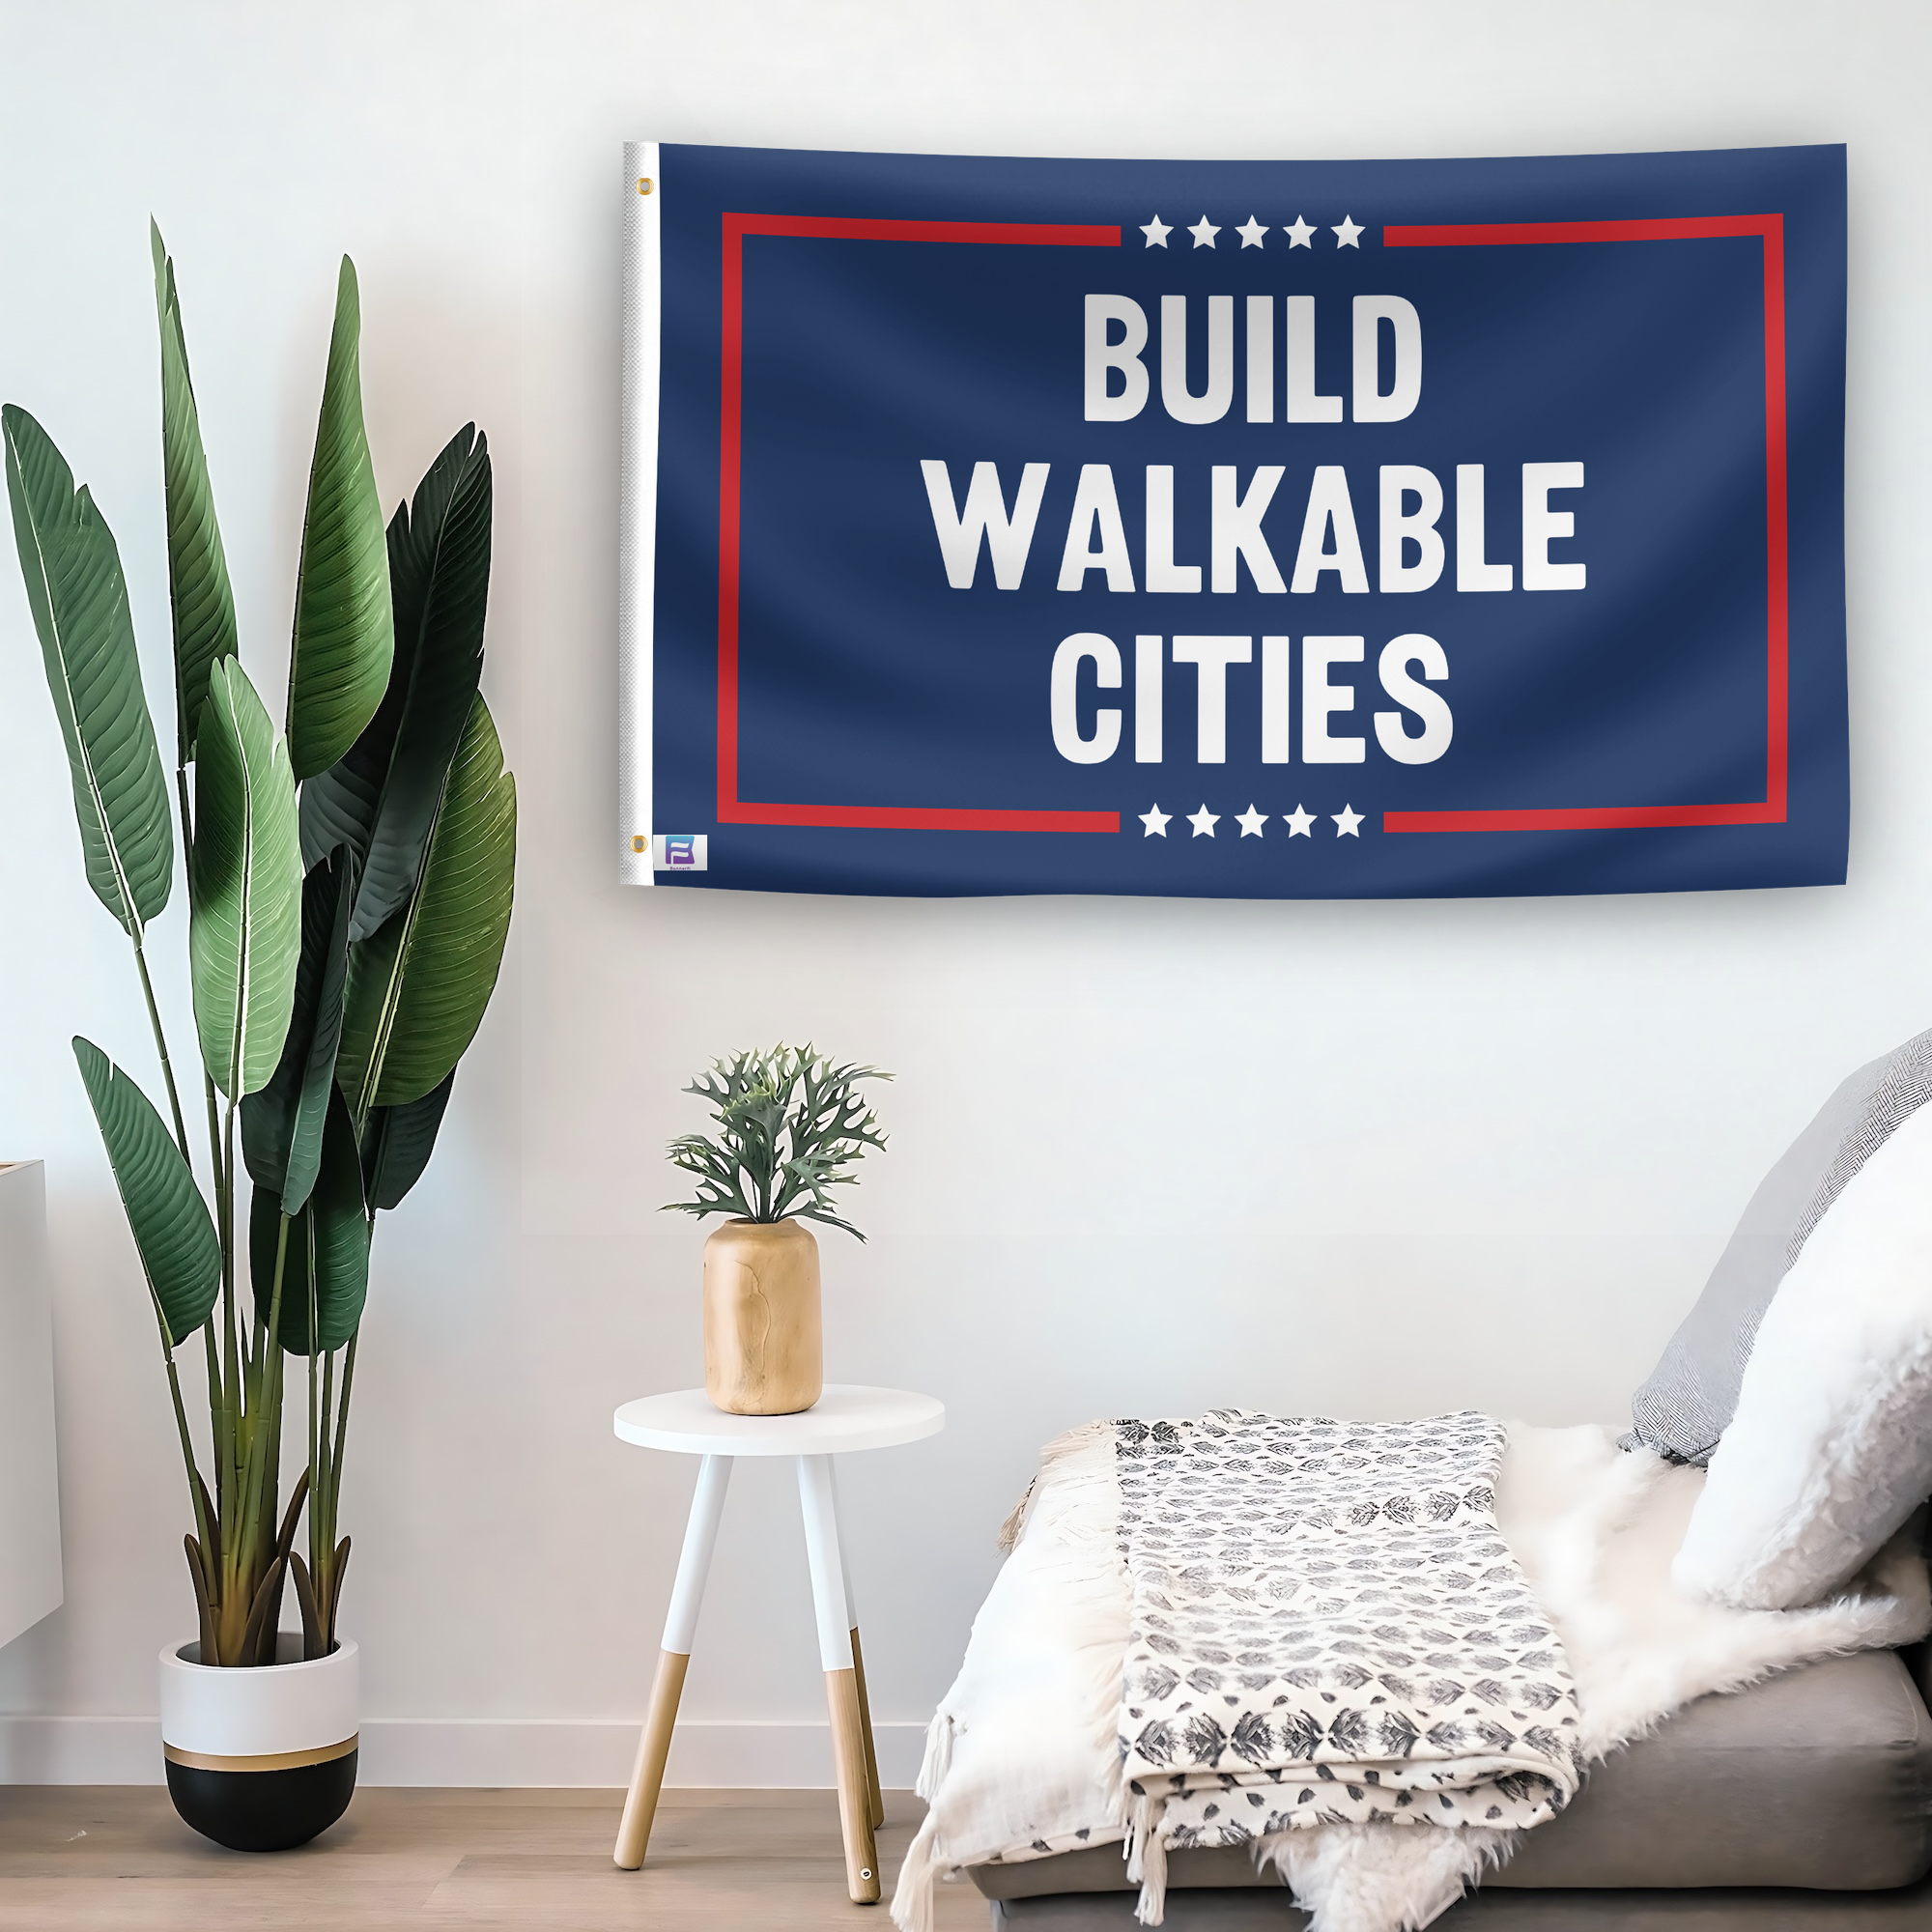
(1830, 1448)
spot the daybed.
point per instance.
(1805, 1802)
(1676, 1656)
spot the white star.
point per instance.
(1300, 235)
(1155, 822)
(1251, 232)
(1346, 234)
(1299, 823)
(1251, 822)
(1204, 822)
(1346, 822)
(1156, 232)
(1204, 232)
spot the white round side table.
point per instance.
(843, 1419)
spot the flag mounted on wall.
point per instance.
(1237, 529)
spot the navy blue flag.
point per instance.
(1243, 530)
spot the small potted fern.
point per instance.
(790, 1127)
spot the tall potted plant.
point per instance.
(349, 883)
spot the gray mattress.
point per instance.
(1814, 1790)
(1756, 1911)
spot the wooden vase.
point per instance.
(764, 1347)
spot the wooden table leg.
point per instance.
(877, 1797)
(842, 1678)
(694, 1564)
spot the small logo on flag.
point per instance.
(679, 852)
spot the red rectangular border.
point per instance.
(731, 808)
(1771, 809)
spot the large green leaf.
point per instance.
(281, 1125)
(198, 590)
(344, 635)
(79, 601)
(398, 1142)
(245, 886)
(381, 797)
(326, 1264)
(175, 1238)
(419, 987)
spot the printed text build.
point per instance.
(1295, 529)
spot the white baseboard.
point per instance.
(480, 1751)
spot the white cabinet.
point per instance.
(30, 1553)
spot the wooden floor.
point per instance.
(74, 1858)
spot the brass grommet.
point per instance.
(638, 842)
(643, 183)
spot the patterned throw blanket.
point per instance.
(1327, 1628)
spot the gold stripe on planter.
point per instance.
(265, 1761)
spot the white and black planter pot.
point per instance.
(260, 1760)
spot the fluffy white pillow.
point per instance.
(1830, 1448)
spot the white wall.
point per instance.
(1147, 1157)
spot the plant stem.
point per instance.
(194, 1485)
(196, 1490)
(161, 1047)
(213, 1140)
(237, 1416)
(219, 1420)
(231, 1359)
(317, 1435)
(265, 1371)
(322, 1519)
(342, 1413)
(335, 1484)
(231, 1416)
(215, 1419)
(243, 1566)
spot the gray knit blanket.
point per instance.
(1327, 1628)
